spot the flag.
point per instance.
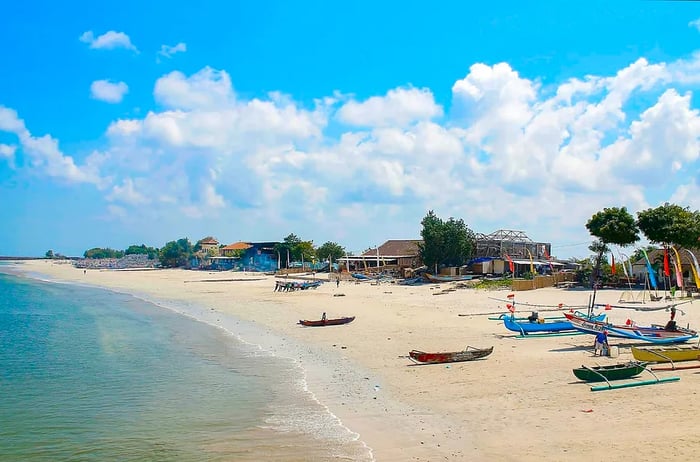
(612, 265)
(549, 259)
(667, 268)
(678, 268)
(532, 263)
(511, 265)
(511, 295)
(650, 270)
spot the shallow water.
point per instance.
(88, 374)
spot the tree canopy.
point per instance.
(330, 250)
(298, 249)
(670, 224)
(614, 226)
(445, 243)
(98, 252)
(176, 253)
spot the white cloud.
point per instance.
(509, 153)
(695, 24)
(168, 51)
(44, 154)
(109, 92)
(108, 41)
(8, 152)
(399, 107)
(206, 89)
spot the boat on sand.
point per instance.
(619, 371)
(326, 322)
(666, 354)
(468, 354)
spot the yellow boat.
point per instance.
(666, 354)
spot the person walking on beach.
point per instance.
(337, 281)
(601, 344)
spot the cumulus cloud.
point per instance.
(509, 152)
(399, 106)
(168, 51)
(695, 24)
(109, 92)
(44, 154)
(108, 41)
(8, 152)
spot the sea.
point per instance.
(87, 374)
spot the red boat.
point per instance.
(469, 354)
(327, 322)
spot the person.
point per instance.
(601, 344)
(323, 317)
(337, 281)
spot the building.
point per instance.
(495, 252)
(393, 255)
(209, 246)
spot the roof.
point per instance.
(396, 248)
(238, 246)
(209, 240)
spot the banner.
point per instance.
(511, 265)
(695, 268)
(650, 270)
(612, 265)
(667, 268)
(679, 268)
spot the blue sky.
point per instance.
(152, 121)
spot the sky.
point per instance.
(145, 122)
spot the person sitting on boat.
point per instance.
(671, 324)
(601, 344)
(533, 317)
(323, 317)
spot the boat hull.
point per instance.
(612, 372)
(651, 334)
(527, 327)
(470, 354)
(666, 354)
(326, 322)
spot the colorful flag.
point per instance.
(678, 268)
(667, 268)
(612, 265)
(695, 268)
(650, 270)
(510, 264)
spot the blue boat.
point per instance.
(656, 334)
(536, 325)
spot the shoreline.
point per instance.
(514, 405)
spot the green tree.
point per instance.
(98, 252)
(141, 250)
(330, 250)
(290, 246)
(49, 253)
(670, 224)
(613, 225)
(449, 243)
(176, 253)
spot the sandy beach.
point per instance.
(522, 403)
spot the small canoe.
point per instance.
(540, 325)
(619, 371)
(469, 354)
(666, 354)
(326, 322)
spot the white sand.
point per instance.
(522, 403)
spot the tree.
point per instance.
(176, 253)
(49, 253)
(141, 250)
(330, 250)
(449, 243)
(97, 252)
(670, 224)
(611, 226)
(298, 249)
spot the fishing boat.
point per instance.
(468, 354)
(438, 279)
(661, 335)
(619, 371)
(536, 325)
(666, 354)
(327, 322)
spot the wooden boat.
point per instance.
(666, 354)
(468, 354)
(438, 279)
(534, 324)
(619, 371)
(653, 334)
(327, 322)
